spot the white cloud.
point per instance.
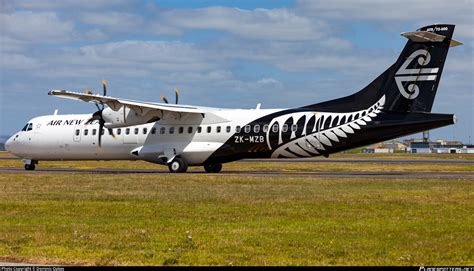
(115, 21)
(68, 4)
(8, 44)
(41, 27)
(390, 10)
(17, 61)
(126, 59)
(274, 24)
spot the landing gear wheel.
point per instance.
(29, 166)
(213, 168)
(178, 165)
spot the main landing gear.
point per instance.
(179, 165)
(213, 168)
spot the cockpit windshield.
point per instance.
(28, 127)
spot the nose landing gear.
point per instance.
(29, 164)
(178, 165)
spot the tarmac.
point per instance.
(281, 173)
(257, 173)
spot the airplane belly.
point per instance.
(196, 153)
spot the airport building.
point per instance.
(419, 146)
(391, 146)
(440, 146)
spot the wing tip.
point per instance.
(55, 91)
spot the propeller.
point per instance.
(176, 91)
(164, 99)
(98, 114)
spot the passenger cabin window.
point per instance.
(94, 131)
(119, 131)
(218, 129)
(172, 130)
(256, 128)
(294, 127)
(127, 131)
(199, 129)
(275, 128)
(153, 130)
(136, 131)
(209, 129)
(265, 128)
(284, 129)
(145, 130)
(181, 129)
(78, 132)
(111, 131)
(237, 129)
(227, 129)
(162, 130)
(102, 132)
(86, 131)
(190, 130)
(247, 129)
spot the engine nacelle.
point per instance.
(125, 116)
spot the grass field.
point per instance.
(197, 219)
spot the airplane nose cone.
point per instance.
(8, 144)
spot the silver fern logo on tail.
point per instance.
(320, 131)
(415, 75)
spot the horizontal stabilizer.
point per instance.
(423, 36)
(426, 36)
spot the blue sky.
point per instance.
(219, 53)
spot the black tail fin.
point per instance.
(410, 84)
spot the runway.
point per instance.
(284, 173)
(342, 160)
(366, 161)
(256, 173)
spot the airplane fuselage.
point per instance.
(396, 103)
(70, 137)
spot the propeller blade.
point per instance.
(95, 116)
(164, 99)
(176, 91)
(104, 84)
(111, 132)
(101, 130)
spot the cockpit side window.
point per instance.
(28, 127)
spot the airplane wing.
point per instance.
(116, 103)
(144, 111)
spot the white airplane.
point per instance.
(396, 103)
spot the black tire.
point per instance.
(178, 165)
(213, 168)
(29, 166)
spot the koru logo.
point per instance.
(414, 75)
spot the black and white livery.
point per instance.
(396, 103)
